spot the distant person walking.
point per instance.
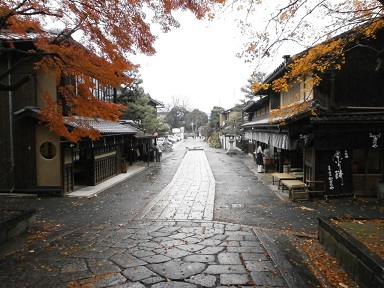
(259, 159)
(157, 153)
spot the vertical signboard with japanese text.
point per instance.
(339, 173)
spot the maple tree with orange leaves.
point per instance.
(107, 33)
(295, 24)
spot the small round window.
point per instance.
(48, 150)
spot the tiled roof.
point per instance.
(157, 102)
(104, 127)
(263, 120)
(368, 117)
(254, 105)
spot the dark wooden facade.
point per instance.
(16, 132)
(341, 145)
(34, 160)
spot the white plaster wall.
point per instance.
(45, 82)
(48, 170)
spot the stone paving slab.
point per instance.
(173, 243)
(189, 196)
(168, 254)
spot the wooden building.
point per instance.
(228, 118)
(337, 135)
(35, 160)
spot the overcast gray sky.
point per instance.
(197, 61)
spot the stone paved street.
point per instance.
(173, 242)
(190, 195)
(149, 254)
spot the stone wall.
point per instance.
(365, 267)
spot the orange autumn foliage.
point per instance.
(309, 66)
(107, 33)
(295, 24)
(295, 21)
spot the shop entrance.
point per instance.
(79, 164)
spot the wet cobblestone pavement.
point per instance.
(190, 194)
(148, 254)
(194, 229)
(174, 242)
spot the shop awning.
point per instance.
(278, 140)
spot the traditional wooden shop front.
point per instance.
(339, 128)
(57, 166)
(348, 151)
(88, 163)
(283, 149)
(35, 160)
(341, 154)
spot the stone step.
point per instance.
(15, 222)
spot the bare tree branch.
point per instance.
(15, 85)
